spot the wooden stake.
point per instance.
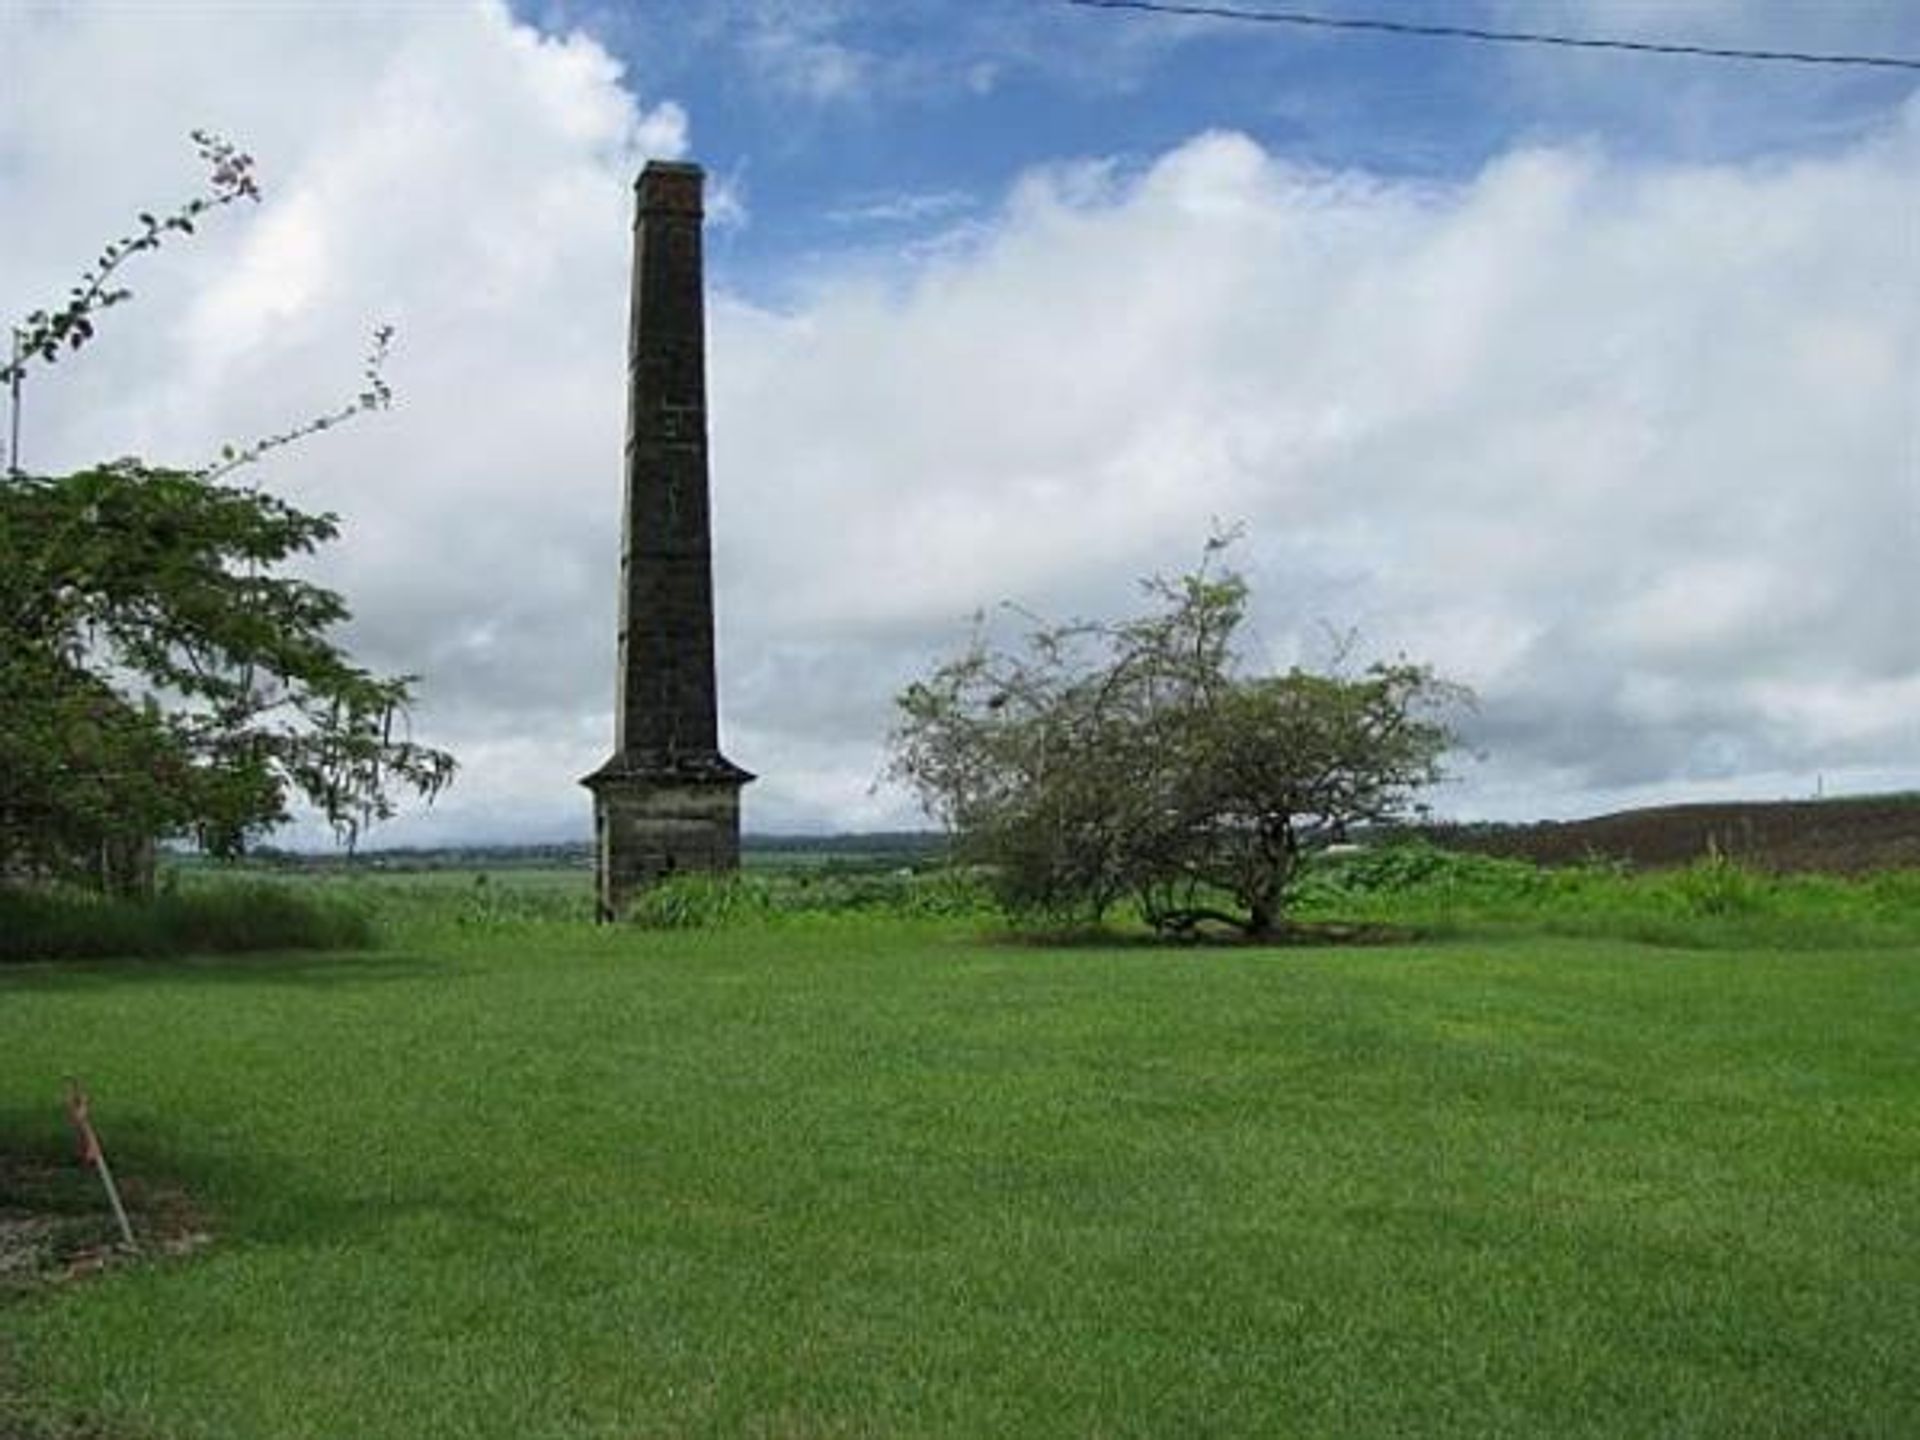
(79, 1115)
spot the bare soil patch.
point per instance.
(56, 1227)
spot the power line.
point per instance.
(1502, 37)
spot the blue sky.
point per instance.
(1592, 380)
(925, 111)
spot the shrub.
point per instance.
(71, 924)
(493, 905)
(1139, 760)
(1715, 885)
(688, 901)
(1419, 865)
(1715, 903)
(694, 901)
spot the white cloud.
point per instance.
(1578, 432)
(1631, 448)
(797, 63)
(903, 209)
(441, 167)
(1700, 105)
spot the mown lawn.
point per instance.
(875, 1178)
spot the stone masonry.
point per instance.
(667, 800)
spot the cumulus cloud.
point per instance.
(442, 168)
(1629, 447)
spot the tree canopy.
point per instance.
(159, 676)
(1138, 760)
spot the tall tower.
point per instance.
(667, 800)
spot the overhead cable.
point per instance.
(1499, 37)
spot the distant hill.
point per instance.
(870, 848)
(911, 843)
(1843, 836)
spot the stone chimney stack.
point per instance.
(667, 800)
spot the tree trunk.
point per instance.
(1260, 919)
(125, 866)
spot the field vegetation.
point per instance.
(831, 1150)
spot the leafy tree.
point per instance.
(1137, 760)
(158, 677)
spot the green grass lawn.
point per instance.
(873, 1178)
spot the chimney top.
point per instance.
(670, 186)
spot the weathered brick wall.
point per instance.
(667, 801)
(667, 703)
(645, 832)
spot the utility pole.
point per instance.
(13, 409)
